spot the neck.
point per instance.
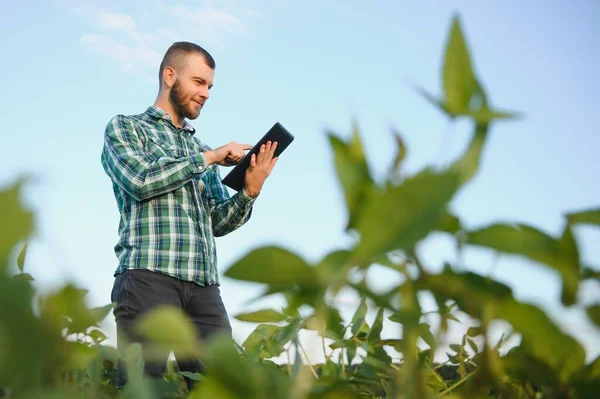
(162, 102)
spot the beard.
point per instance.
(180, 106)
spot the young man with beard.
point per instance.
(172, 204)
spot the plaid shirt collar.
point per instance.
(159, 113)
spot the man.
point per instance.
(172, 204)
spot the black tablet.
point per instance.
(235, 178)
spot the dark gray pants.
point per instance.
(138, 291)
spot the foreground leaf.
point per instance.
(353, 172)
(16, 221)
(530, 242)
(272, 265)
(404, 214)
(593, 312)
(262, 316)
(168, 329)
(457, 74)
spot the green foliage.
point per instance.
(52, 346)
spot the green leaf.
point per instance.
(405, 214)
(593, 312)
(352, 171)
(261, 341)
(472, 344)
(433, 100)
(557, 350)
(70, 302)
(470, 291)
(485, 116)
(359, 316)
(23, 276)
(468, 165)
(98, 336)
(168, 328)
(400, 152)
(272, 265)
(17, 222)
(21, 258)
(530, 242)
(457, 74)
(591, 216)
(333, 268)
(288, 332)
(375, 333)
(404, 316)
(474, 331)
(590, 272)
(230, 377)
(262, 316)
(428, 337)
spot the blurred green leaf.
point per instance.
(17, 222)
(404, 214)
(21, 258)
(404, 316)
(70, 302)
(457, 75)
(532, 243)
(272, 265)
(589, 272)
(168, 328)
(558, 350)
(433, 100)
(467, 165)
(472, 344)
(375, 333)
(485, 115)
(333, 268)
(588, 384)
(262, 316)
(98, 336)
(358, 319)
(449, 223)
(261, 341)
(425, 333)
(474, 331)
(327, 322)
(593, 311)
(400, 152)
(24, 276)
(353, 172)
(591, 216)
(81, 355)
(470, 291)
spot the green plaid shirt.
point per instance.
(171, 204)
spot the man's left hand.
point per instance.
(261, 166)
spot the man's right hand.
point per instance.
(227, 155)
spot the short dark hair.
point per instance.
(177, 51)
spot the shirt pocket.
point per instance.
(157, 147)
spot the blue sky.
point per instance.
(70, 66)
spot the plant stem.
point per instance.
(314, 373)
(457, 383)
(289, 366)
(324, 349)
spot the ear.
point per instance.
(169, 76)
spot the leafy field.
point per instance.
(51, 346)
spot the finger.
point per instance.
(246, 146)
(273, 147)
(253, 161)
